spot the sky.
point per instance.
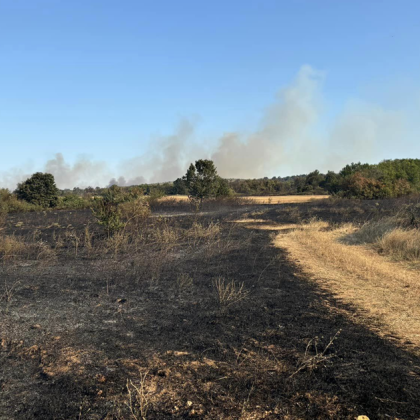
(134, 90)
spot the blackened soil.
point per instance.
(75, 331)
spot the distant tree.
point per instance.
(312, 181)
(354, 168)
(179, 187)
(202, 181)
(223, 188)
(332, 183)
(299, 184)
(39, 189)
(358, 186)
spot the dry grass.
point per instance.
(402, 244)
(138, 400)
(14, 248)
(388, 291)
(280, 199)
(229, 292)
(283, 199)
(397, 236)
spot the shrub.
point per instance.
(106, 210)
(113, 207)
(9, 203)
(39, 189)
(135, 212)
(73, 201)
(358, 186)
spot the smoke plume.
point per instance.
(287, 141)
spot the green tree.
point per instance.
(203, 182)
(223, 188)
(332, 182)
(106, 209)
(179, 187)
(39, 189)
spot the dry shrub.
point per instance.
(408, 216)
(43, 252)
(8, 291)
(13, 248)
(3, 216)
(73, 239)
(229, 292)
(311, 362)
(135, 212)
(116, 243)
(138, 399)
(88, 240)
(164, 234)
(199, 233)
(401, 244)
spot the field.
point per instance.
(277, 199)
(247, 310)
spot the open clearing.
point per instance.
(202, 317)
(277, 199)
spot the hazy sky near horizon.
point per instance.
(138, 88)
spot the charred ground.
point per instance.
(94, 319)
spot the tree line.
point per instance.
(387, 179)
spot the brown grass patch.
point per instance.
(359, 276)
(280, 199)
(402, 244)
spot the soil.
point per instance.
(82, 331)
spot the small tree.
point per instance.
(39, 189)
(106, 210)
(115, 208)
(202, 182)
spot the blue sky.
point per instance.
(105, 79)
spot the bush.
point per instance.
(73, 201)
(106, 210)
(39, 189)
(135, 212)
(9, 203)
(358, 186)
(112, 208)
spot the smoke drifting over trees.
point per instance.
(287, 141)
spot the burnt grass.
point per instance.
(77, 328)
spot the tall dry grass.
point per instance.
(358, 275)
(397, 236)
(401, 244)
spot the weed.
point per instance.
(138, 402)
(8, 291)
(310, 363)
(229, 292)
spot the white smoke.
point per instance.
(286, 142)
(284, 131)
